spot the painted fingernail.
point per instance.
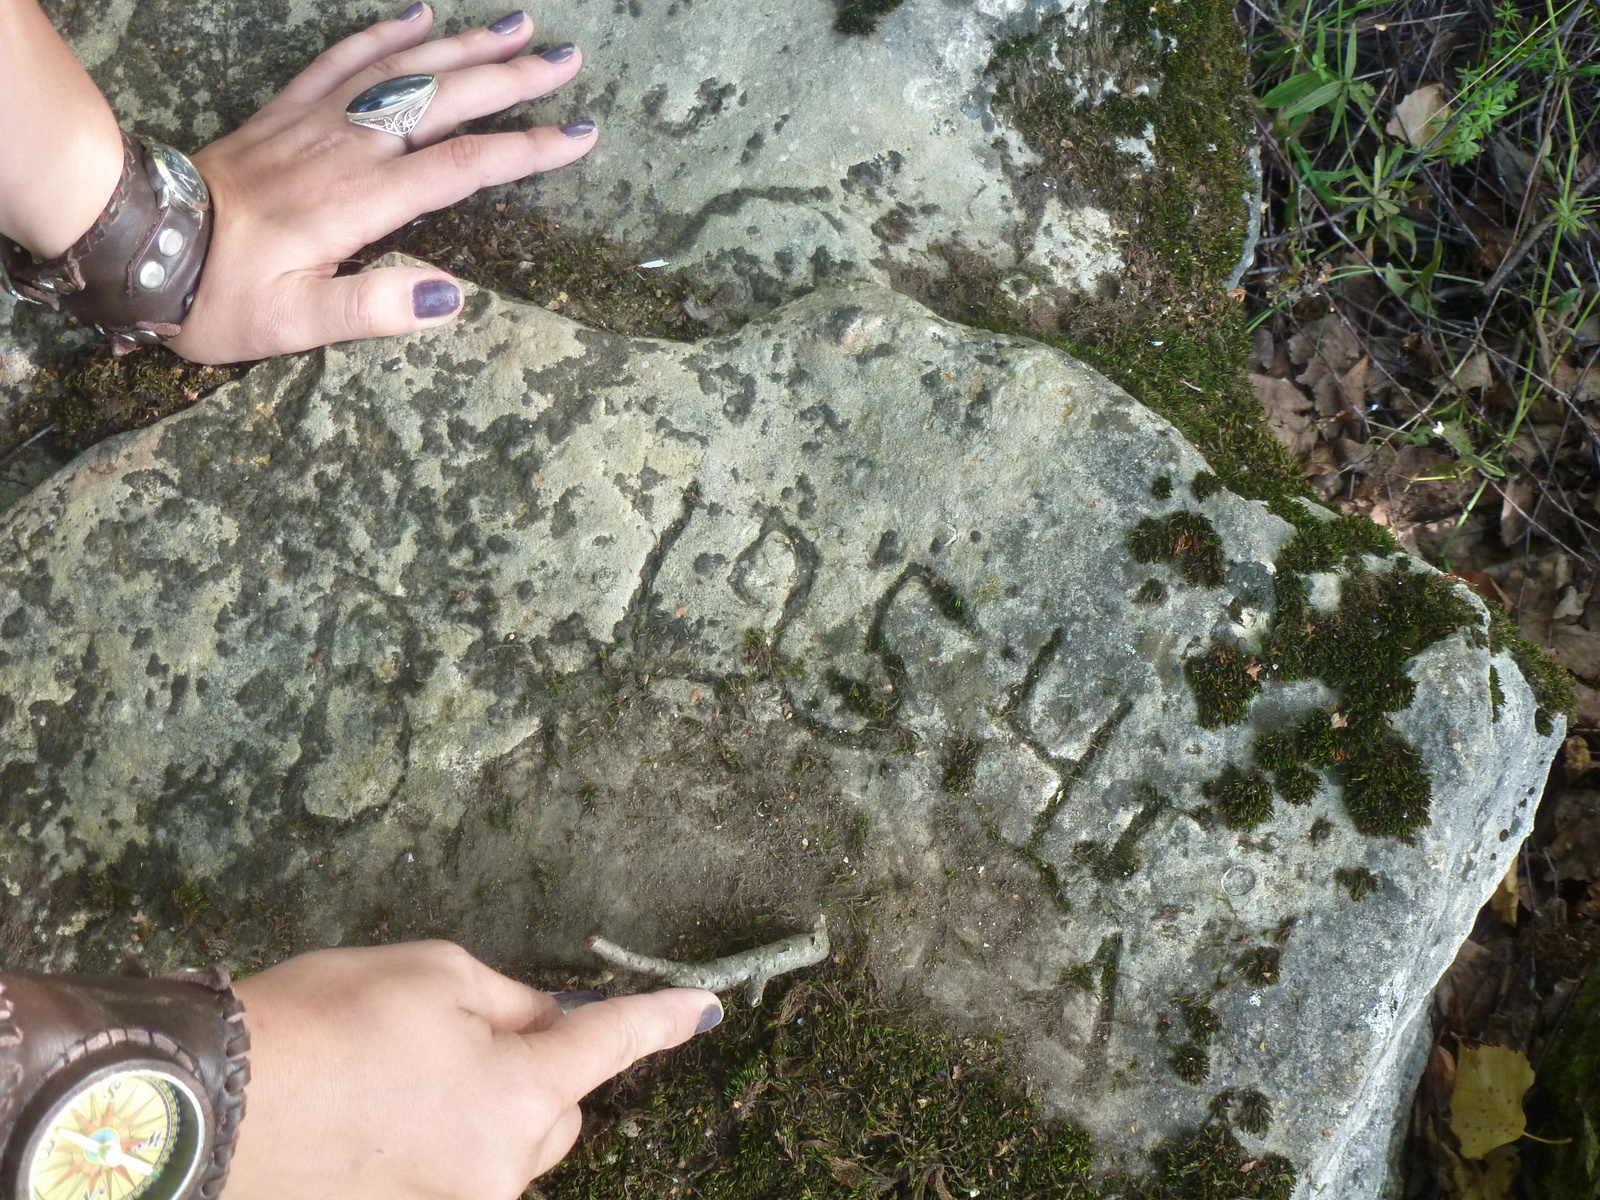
(412, 13)
(571, 1000)
(711, 1018)
(512, 20)
(578, 129)
(435, 298)
(559, 54)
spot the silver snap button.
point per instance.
(152, 275)
(170, 242)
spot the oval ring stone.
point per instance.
(393, 93)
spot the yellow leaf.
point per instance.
(1487, 1108)
(1505, 898)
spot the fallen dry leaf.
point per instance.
(1517, 501)
(1577, 649)
(1420, 116)
(1338, 720)
(1492, 1179)
(1506, 900)
(1353, 396)
(1288, 413)
(1486, 1110)
(1472, 372)
(1327, 338)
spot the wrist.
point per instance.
(134, 273)
(59, 204)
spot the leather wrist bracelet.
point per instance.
(116, 1087)
(134, 274)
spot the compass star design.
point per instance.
(111, 1143)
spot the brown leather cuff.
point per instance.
(57, 1030)
(134, 274)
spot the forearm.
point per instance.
(60, 149)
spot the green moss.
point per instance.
(1358, 881)
(1297, 785)
(1161, 488)
(945, 597)
(1275, 751)
(1121, 858)
(1210, 1164)
(1080, 977)
(1199, 1018)
(1553, 691)
(1253, 1112)
(1186, 540)
(1384, 618)
(1151, 591)
(1361, 649)
(1204, 485)
(1324, 544)
(1191, 1063)
(960, 765)
(1186, 209)
(88, 395)
(1242, 798)
(1223, 684)
(862, 16)
(1497, 695)
(532, 258)
(1321, 830)
(765, 660)
(865, 701)
(1166, 331)
(1260, 966)
(827, 1089)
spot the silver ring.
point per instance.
(395, 105)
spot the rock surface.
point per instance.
(516, 632)
(756, 147)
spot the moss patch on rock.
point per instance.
(1243, 799)
(1385, 616)
(829, 1088)
(533, 258)
(862, 16)
(826, 1089)
(1186, 540)
(88, 395)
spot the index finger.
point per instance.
(591, 1044)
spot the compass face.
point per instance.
(126, 1136)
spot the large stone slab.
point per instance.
(752, 145)
(517, 632)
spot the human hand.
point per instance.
(298, 188)
(414, 1071)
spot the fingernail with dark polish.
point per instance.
(711, 1018)
(412, 13)
(578, 129)
(559, 54)
(512, 20)
(571, 1000)
(435, 298)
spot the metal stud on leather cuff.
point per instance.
(134, 274)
